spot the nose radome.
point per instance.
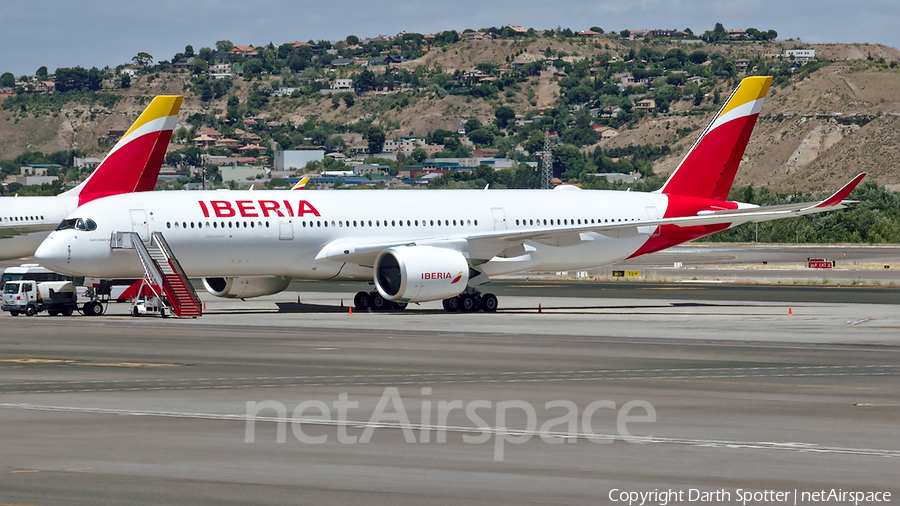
(51, 254)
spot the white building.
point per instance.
(405, 145)
(342, 84)
(297, 159)
(800, 54)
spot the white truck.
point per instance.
(32, 297)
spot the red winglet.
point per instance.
(841, 194)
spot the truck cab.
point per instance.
(32, 297)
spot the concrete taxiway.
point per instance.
(598, 394)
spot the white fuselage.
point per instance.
(240, 233)
(26, 221)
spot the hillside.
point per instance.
(814, 133)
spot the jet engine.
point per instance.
(420, 273)
(245, 287)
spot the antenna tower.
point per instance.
(547, 165)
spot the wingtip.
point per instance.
(841, 194)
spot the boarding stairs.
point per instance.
(161, 269)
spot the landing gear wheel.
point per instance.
(489, 303)
(400, 306)
(53, 313)
(378, 302)
(468, 303)
(67, 312)
(451, 305)
(93, 308)
(29, 311)
(361, 301)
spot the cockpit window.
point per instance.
(86, 225)
(67, 224)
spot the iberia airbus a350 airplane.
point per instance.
(420, 246)
(132, 166)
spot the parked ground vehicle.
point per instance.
(32, 297)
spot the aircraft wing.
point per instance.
(7, 233)
(483, 246)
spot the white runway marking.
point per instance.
(792, 446)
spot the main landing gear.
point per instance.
(374, 301)
(471, 301)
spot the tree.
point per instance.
(352, 40)
(418, 155)
(7, 80)
(78, 79)
(597, 29)
(698, 57)
(298, 62)
(188, 51)
(439, 136)
(473, 124)
(41, 72)
(253, 67)
(504, 114)
(568, 161)
(224, 45)
(143, 59)
(365, 80)
(375, 138)
(205, 53)
(199, 66)
(481, 137)
(126, 81)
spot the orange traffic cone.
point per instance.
(790, 313)
(350, 311)
(204, 305)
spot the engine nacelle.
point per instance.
(420, 273)
(245, 287)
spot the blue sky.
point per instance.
(68, 33)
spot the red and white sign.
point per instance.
(819, 263)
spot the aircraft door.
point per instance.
(139, 224)
(499, 218)
(285, 228)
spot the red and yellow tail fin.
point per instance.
(301, 185)
(708, 169)
(133, 163)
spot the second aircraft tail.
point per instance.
(133, 163)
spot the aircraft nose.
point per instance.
(53, 253)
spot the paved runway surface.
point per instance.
(590, 397)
